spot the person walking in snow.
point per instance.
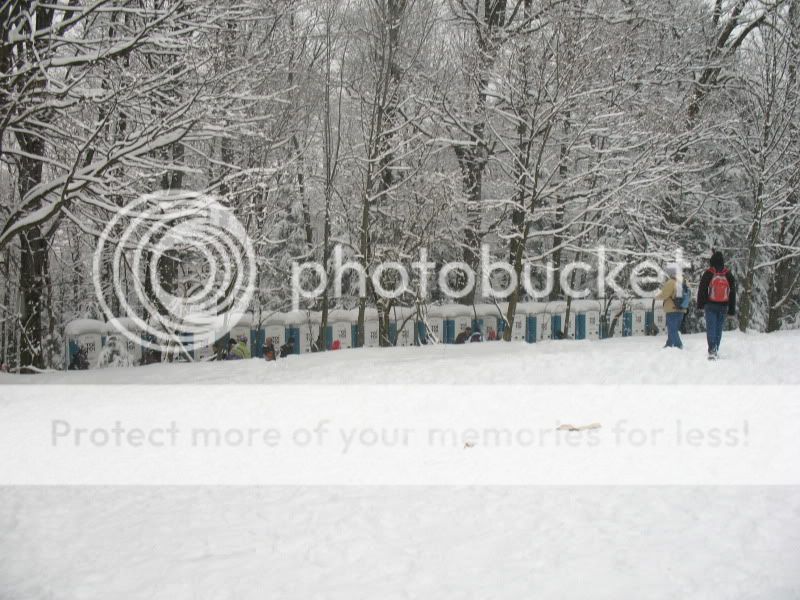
(671, 294)
(716, 296)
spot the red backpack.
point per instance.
(719, 290)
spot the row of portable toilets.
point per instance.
(534, 321)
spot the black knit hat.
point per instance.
(717, 260)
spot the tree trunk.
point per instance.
(33, 260)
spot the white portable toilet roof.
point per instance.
(614, 306)
(643, 303)
(585, 305)
(84, 326)
(461, 310)
(555, 307)
(435, 310)
(403, 313)
(487, 310)
(370, 314)
(445, 311)
(519, 310)
(242, 320)
(269, 317)
(531, 308)
(120, 324)
(338, 315)
(301, 317)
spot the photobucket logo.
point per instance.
(189, 264)
(599, 278)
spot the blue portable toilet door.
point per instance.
(649, 322)
(627, 324)
(449, 334)
(293, 333)
(555, 327)
(531, 335)
(580, 327)
(392, 333)
(257, 337)
(72, 349)
(422, 333)
(328, 336)
(354, 335)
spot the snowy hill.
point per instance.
(443, 541)
(747, 359)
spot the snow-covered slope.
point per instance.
(387, 542)
(176, 543)
(746, 359)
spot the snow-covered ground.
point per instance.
(747, 359)
(448, 541)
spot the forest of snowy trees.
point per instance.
(544, 128)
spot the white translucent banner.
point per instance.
(423, 434)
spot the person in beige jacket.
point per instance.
(670, 292)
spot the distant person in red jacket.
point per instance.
(716, 295)
(336, 345)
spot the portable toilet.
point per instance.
(448, 314)
(639, 309)
(627, 319)
(303, 327)
(294, 322)
(207, 330)
(371, 327)
(537, 327)
(624, 318)
(402, 323)
(257, 336)
(518, 326)
(431, 327)
(462, 317)
(340, 328)
(119, 325)
(87, 335)
(488, 316)
(585, 319)
(273, 329)
(556, 313)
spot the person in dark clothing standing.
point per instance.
(269, 350)
(287, 348)
(716, 295)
